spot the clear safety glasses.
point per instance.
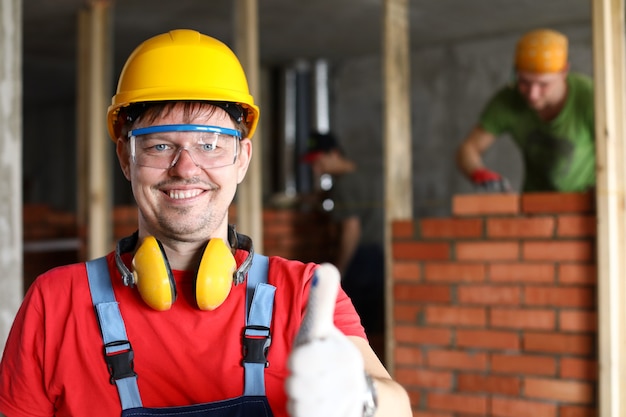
(214, 146)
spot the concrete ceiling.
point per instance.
(289, 29)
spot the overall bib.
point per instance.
(119, 355)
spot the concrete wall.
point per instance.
(450, 84)
(10, 164)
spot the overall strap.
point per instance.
(257, 337)
(118, 352)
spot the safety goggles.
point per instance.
(213, 146)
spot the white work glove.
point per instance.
(327, 375)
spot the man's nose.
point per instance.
(534, 91)
(183, 159)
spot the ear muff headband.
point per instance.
(154, 279)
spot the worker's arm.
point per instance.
(469, 154)
(392, 399)
(348, 241)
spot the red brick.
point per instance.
(487, 251)
(454, 272)
(577, 273)
(424, 378)
(408, 355)
(557, 202)
(420, 413)
(421, 292)
(504, 385)
(483, 204)
(576, 225)
(525, 319)
(402, 229)
(578, 321)
(558, 251)
(577, 368)
(577, 411)
(279, 216)
(523, 364)
(521, 272)
(558, 390)
(487, 339)
(520, 227)
(467, 404)
(451, 228)
(559, 296)
(455, 316)
(126, 214)
(421, 251)
(559, 343)
(35, 213)
(422, 335)
(406, 271)
(415, 397)
(456, 360)
(489, 294)
(509, 407)
(406, 312)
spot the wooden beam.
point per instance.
(397, 139)
(96, 146)
(249, 197)
(608, 48)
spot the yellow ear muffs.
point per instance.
(152, 275)
(215, 275)
(154, 280)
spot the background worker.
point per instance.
(549, 114)
(188, 321)
(359, 216)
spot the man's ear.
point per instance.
(243, 159)
(123, 156)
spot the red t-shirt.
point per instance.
(53, 362)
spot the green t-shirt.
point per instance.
(558, 155)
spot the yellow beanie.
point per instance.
(541, 50)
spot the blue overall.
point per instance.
(119, 354)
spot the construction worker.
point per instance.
(183, 318)
(358, 213)
(549, 114)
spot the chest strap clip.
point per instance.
(119, 357)
(256, 342)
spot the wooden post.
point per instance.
(608, 48)
(249, 197)
(94, 84)
(397, 139)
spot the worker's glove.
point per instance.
(327, 377)
(490, 181)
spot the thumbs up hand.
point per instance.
(327, 376)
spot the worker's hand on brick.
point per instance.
(490, 181)
(327, 376)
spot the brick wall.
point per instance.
(495, 307)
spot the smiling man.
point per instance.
(550, 116)
(183, 318)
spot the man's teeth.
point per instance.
(180, 194)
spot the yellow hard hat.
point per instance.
(541, 50)
(182, 65)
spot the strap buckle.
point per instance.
(256, 345)
(120, 363)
